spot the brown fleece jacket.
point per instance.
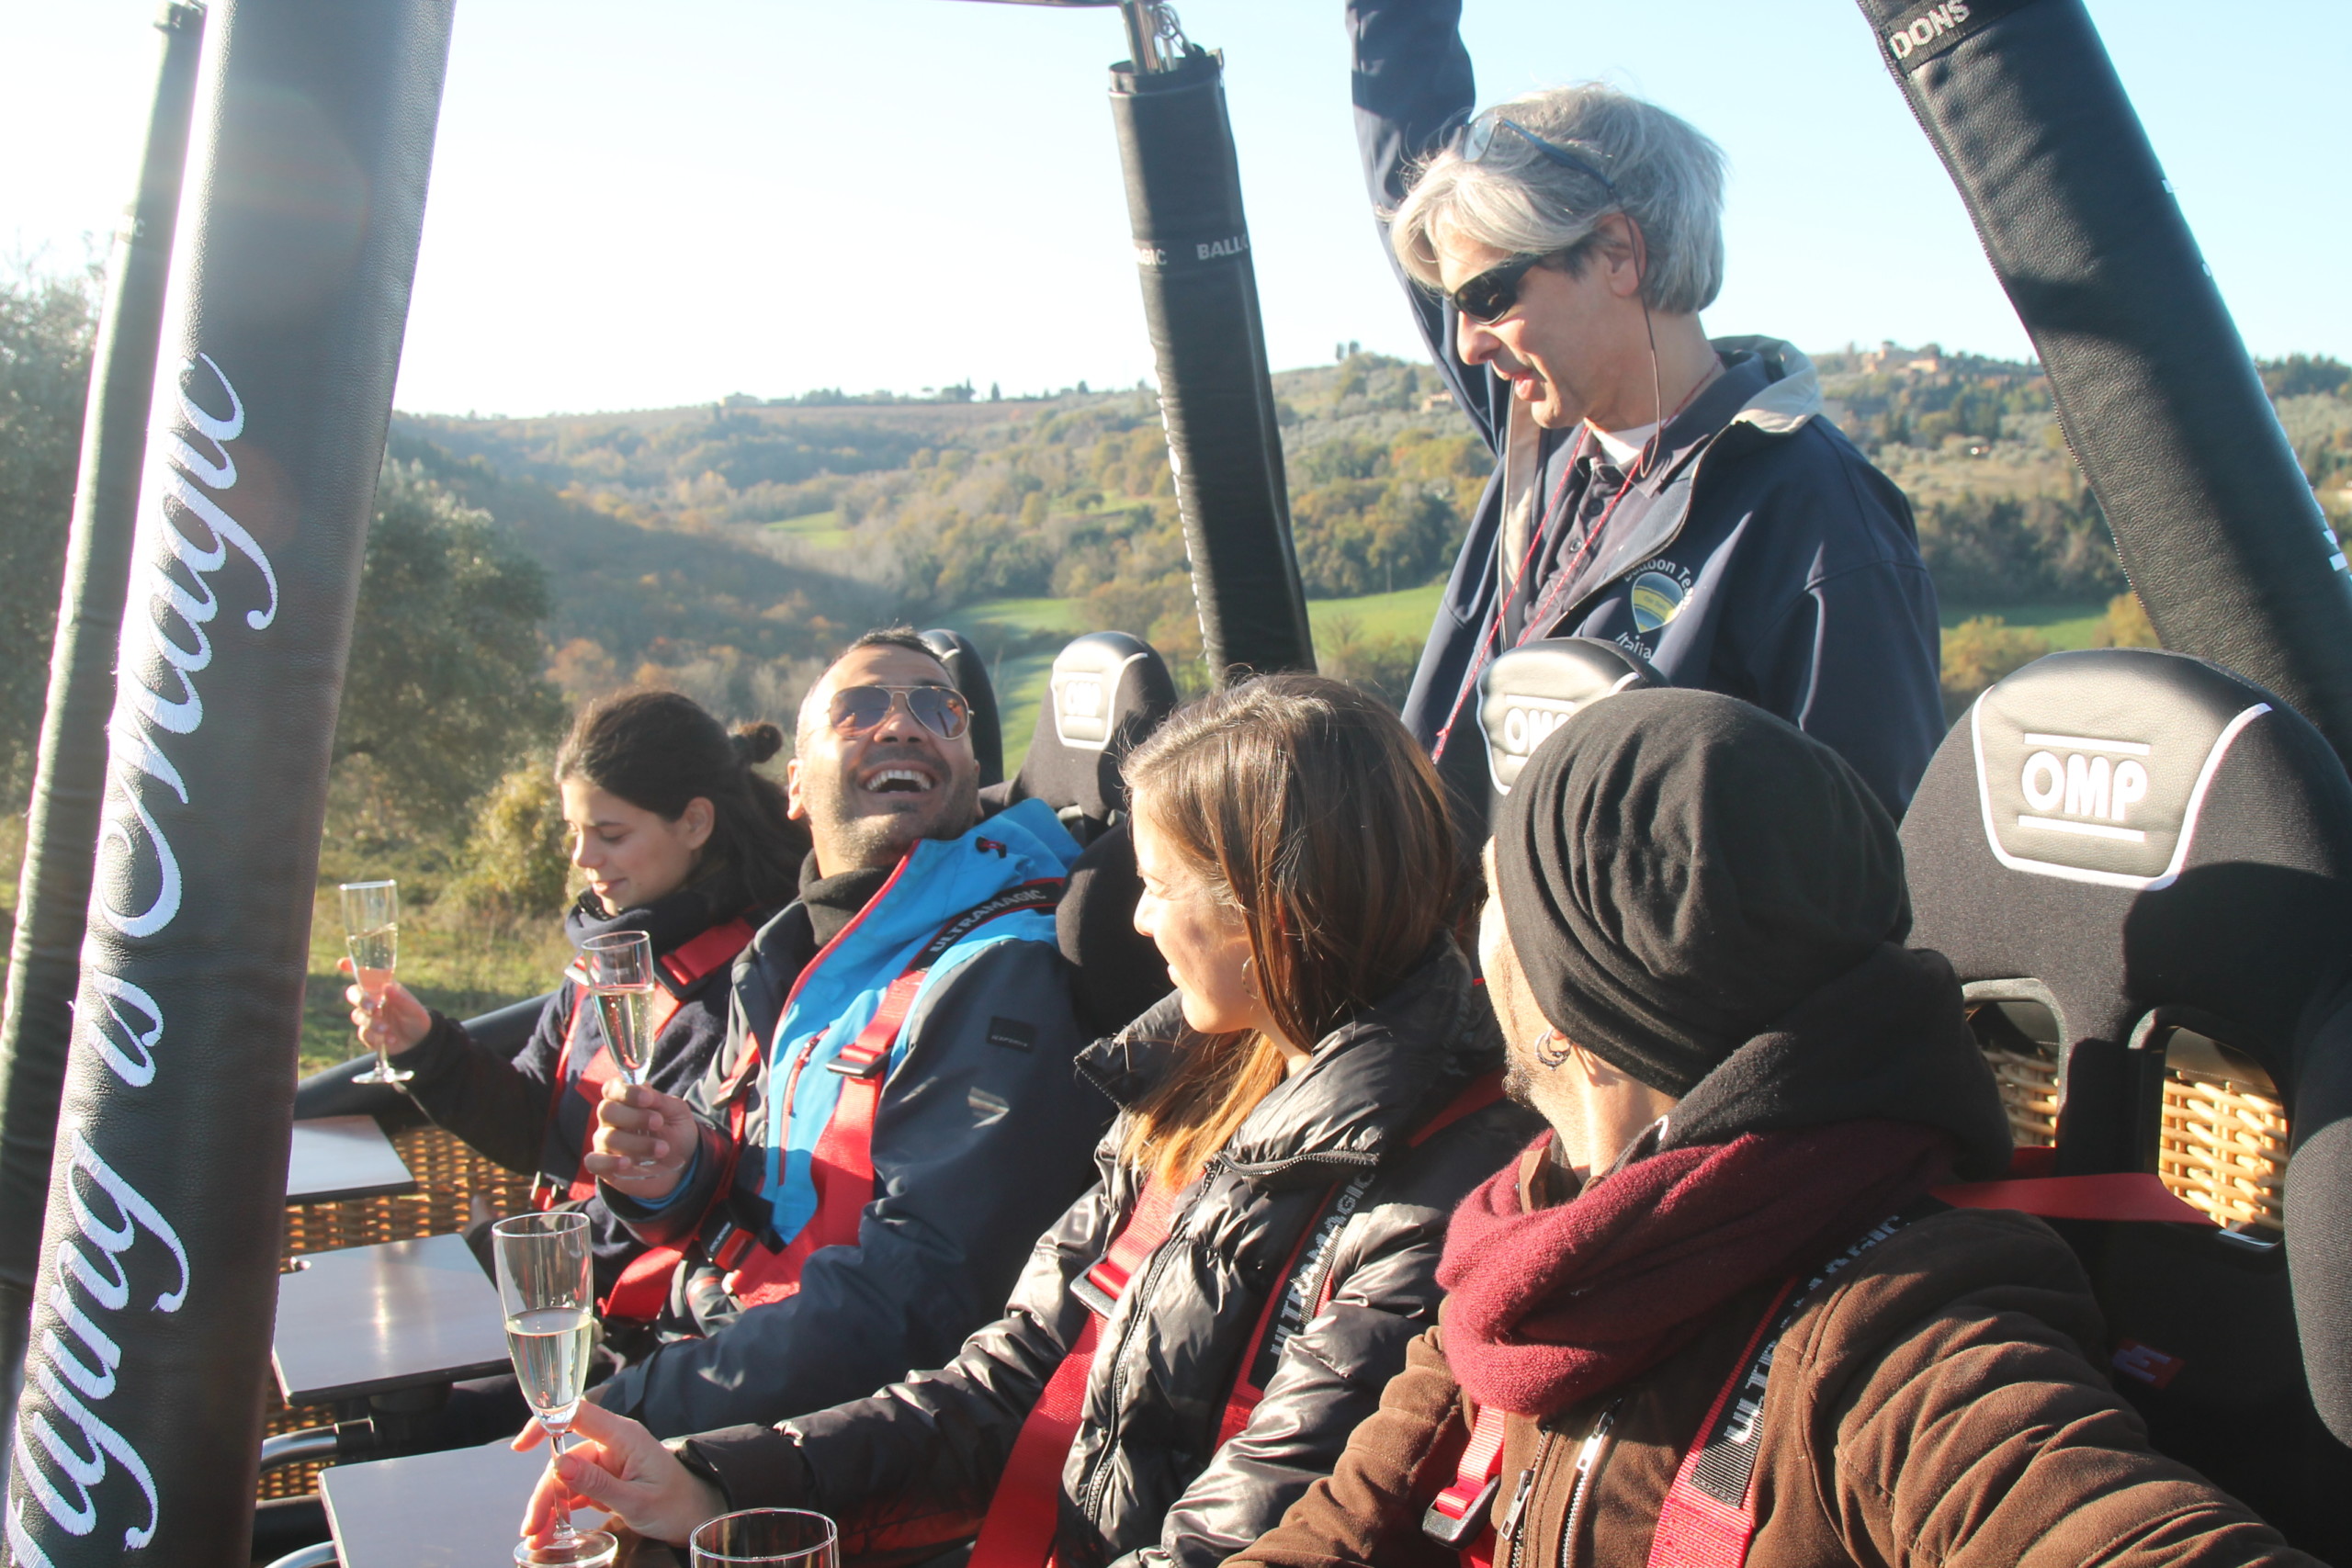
(1940, 1403)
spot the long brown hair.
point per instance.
(1308, 809)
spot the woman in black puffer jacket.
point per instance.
(679, 839)
(1192, 1345)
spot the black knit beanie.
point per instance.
(1677, 869)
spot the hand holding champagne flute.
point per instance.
(545, 1287)
(620, 977)
(372, 920)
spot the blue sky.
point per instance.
(636, 206)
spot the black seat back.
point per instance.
(970, 673)
(1528, 691)
(2140, 866)
(1106, 691)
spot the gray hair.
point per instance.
(1668, 179)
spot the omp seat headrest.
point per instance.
(970, 673)
(1120, 970)
(1528, 691)
(1107, 692)
(2138, 830)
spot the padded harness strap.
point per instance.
(682, 969)
(1018, 1529)
(2121, 1196)
(842, 1164)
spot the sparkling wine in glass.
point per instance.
(371, 923)
(620, 977)
(769, 1537)
(550, 1304)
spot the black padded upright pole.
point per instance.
(139, 1430)
(2219, 531)
(1199, 295)
(61, 829)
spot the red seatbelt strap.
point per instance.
(2135, 1196)
(842, 1164)
(1018, 1529)
(1709, 1516)
(643, 1289)
(1246, 1390)
(1458, 1516)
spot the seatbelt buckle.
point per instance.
(728, 1246)
(1097, 1300)
(853, 1063)
(1456, 1531)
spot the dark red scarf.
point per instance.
(1549, 1307)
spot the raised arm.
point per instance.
(1413, 85)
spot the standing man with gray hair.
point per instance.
(1681, 497)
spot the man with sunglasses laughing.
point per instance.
(894, 1118)
(1682, 498)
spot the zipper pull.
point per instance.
(1509, 1529)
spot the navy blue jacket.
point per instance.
(983, 1135)
(1760, 556)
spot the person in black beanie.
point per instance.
(1714, 1314)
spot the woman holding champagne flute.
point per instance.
(1191, 1344)
(687, 852)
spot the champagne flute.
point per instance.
(769, 1537)
(620, 977)
(544, 1286)
(371, 923)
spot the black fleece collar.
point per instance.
(670, 920)
(1887, 1039)
(834, 901)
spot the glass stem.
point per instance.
(565, 1535)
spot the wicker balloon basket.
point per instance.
(2222, 1147)
(449, 1178)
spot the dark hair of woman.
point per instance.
(1309, 809)
(659, 751)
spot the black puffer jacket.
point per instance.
(1145, 1482)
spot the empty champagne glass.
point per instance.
(371, 923)
(545, 1287)
(768, 1537)
(620, 977)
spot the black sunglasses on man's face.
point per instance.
(1489, 296)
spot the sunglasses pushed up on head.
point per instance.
(939, 709)
(1489, 296)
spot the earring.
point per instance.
(1551, 1058)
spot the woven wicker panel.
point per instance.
(2028, 1081)
(2223, 1149)
(449, 1177)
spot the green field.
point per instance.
(2066, 626)
(820, 528)
(1406, 612)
